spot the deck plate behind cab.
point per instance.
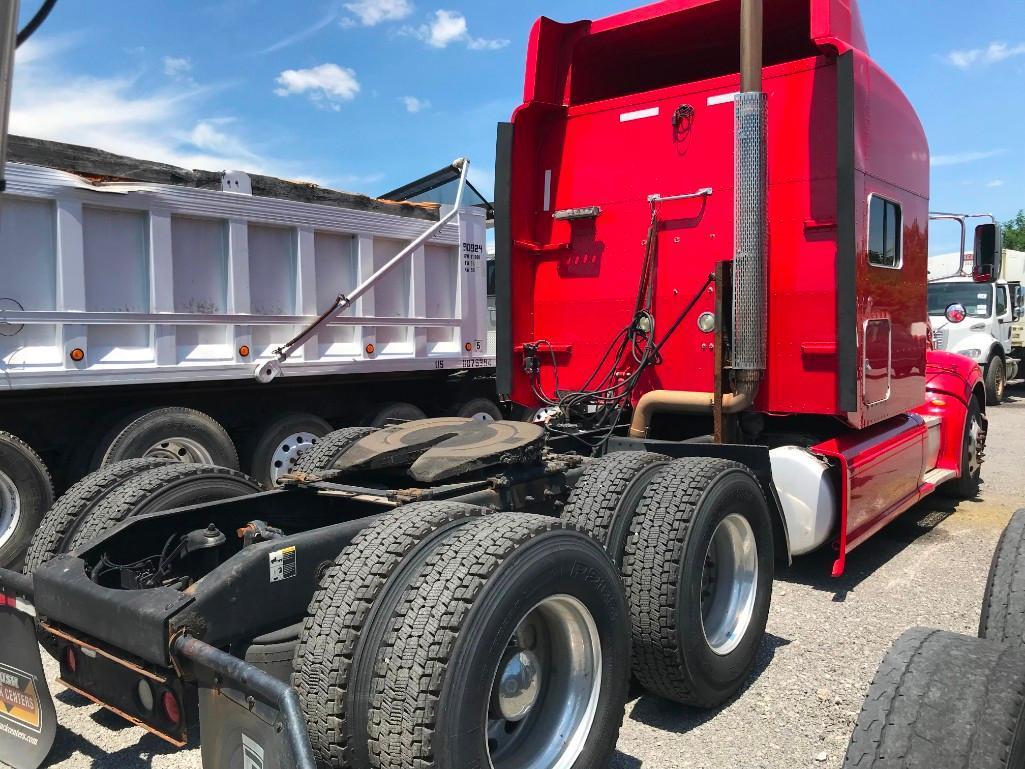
(437, 449)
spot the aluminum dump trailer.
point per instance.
(138, 297)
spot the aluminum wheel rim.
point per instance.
(729, 584)
(541, 719)
(180, 449)
(974, 435)
(287, 453)
(10, 508)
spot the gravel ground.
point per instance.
(825, 639)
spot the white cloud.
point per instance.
(121, 115)
(960, 158)
(326, 84)
(178, 67)
(414, 105)
(372, 12)
(991, 54)
(301, 35)
(995, 183)
(449, 27)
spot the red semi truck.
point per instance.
(713, 296)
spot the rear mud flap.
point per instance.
(237, 737)
(28, 722)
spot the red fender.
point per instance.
(951, 381)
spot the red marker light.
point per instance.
(71, 659)
(171, 708)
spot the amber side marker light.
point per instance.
(370, 349)
(243, 351)
(468, 347)
(939, 403)
(78, 355)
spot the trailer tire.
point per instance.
(281, 445)
(696, 634)
(943, 701)
(26, 493)
(966, 486)
(390, 413)
(177, 434)
(1003, 606)
(606, 496)
(50, 537)
(465, 675)
(996, 381)
(273, 652)
(482, 409)
(348, 615)
(160, 488)
(329, 449)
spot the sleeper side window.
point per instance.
(885, 228)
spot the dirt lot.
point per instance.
(825, 640)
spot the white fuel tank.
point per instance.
(808, 496)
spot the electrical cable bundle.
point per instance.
(608, 391)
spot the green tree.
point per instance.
(1014, 233)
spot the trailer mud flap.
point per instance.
(237, 737)
(28, 722)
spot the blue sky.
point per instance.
(368, 94)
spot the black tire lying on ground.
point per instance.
(51, 536)
(323, 456)
(703, 525)
(348, 616)
(606, 496)
(1003, 606)
(282, 443)
(156, 489)
(943, 701)
(26, 493)
(174, 433)
(511, 639)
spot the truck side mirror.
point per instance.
(988, 250)
(1019, 302)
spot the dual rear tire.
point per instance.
(694, 540)
(445, 637)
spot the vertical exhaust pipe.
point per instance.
(8, 42)
(750, 273)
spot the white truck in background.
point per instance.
(981, 320)
(139, 301)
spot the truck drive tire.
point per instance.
(606, 496)
(966, 486)
(1003, 606)
(51, 536)
(273, 653)
(323, 456)
(943, 701)
(281, 444)
(176, 434)
(394, 413)
(996, 381)
(508, 649)
(348, 616)
(159, 488)
(26, 493)
(698, 567)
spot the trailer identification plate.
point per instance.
(282, 564)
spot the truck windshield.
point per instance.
(977, 298)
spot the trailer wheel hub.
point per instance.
(518, 684)
(729, 584)
(179, 449)
(10, 508)
(287, 454)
